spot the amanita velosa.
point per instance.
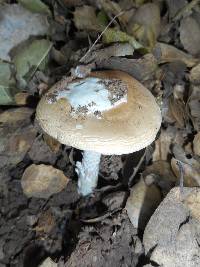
(107, 113)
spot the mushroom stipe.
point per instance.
(107, 113)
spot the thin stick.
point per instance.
(99, 37)
(181, 176)
(44, 56)
(186, 8)
(136, 169)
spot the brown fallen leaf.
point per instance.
(190, 35)
(195, 74)
(142, 69)
(145, 24)
(21, 141)
(193, 106)
(16, 135)
(48, 263)
(46, 222)
(115, 50)
(177, 109)
(42, 181)
(168, 53)
(85, 18)
(70, 3)
(16, 117)
(196, 144)
(141, 203)
(163, 144)
(21, 98)
(174, 6)
(161, 174)
(52, 143)
(191, 175)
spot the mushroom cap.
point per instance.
(127, 125)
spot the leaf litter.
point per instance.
(40, 43)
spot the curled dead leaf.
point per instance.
(193, 105)
(163, 144)
(195, 74)
(177, 109)
(168, 53)
(196, 144)
(191, 175)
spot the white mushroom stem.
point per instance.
(87, 171)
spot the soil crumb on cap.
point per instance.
(91, 95)
(117, 89)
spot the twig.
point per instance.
(186, 8)
(101, 218)
(99, 37)
(181, 176)
(44, 56)
(136, 169)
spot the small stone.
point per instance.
(171, 237)
(142, 202)
(42, 181)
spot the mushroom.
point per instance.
(107, 113)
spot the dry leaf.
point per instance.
(168, 53)
(163, 144)
(145, 24)
(195, 74)
(16, 117)
(174, 6)
(42, 181)
(190, 35)
(48, 262)
(85, 18)
(160, 173)
(115, 50)
(16, 135)
(21, 98)
(193, 104)
(141, 203)
(46, 222)
(142, 69)
(70, 3)
(112, 8)
(196, 144)
(112, 35)
(52, 143)
(177, 109)
(17, 25)
(191, 175)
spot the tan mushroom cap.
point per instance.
(126, 128)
